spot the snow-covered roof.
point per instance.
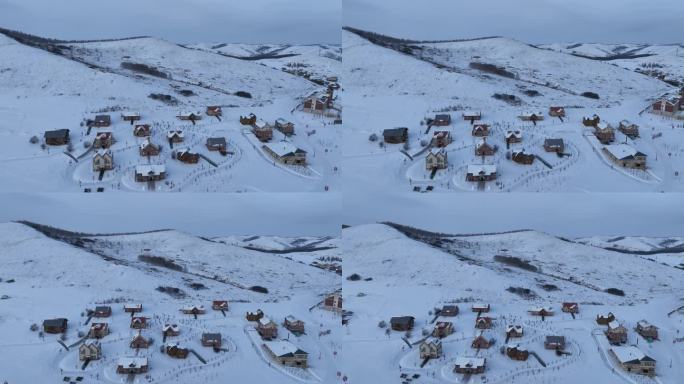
(280, 120)
(470, 361)
(613, 324)
(622, 151)
(132, 362)
(486, 169)
(283, 148)
(530, 113)
(171, 134)
(260, 124)
(471, 113)
(145, 143)
(510, 134)
(265, 320)
(187, 113)
(131, 114)
(283, 348)
(603, 126)
(103, 152)
(433, 340)
(628, 354)
(147, 169)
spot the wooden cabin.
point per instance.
(103, 160)
(557, 111)
(531, 116)
(395, 135)
(513, 136)
(616, 333)
(480, 130)
(540, 311)
(184, 155)
(647, 330)
(267, 328)
(449, 310)
(130, 116)
(483, 322)
(481, 172)
(441, 120)
(56, 137)
(605, 319)
(98, 330)
(138, 322)
(101, 121)
(515, 330)
(170, 330)
(482, 148)
(103, 140)
(402, 323)
(554, 145)
(293, 325)
(211, 340)
(436, 160)
(175, 136)
(217, 144)
(142, 130)
(263, 131)
(90, 350)
(555, 342)
(516, 352)
(667, 106)
(219, 305)
(441, 139)
(139, 341)
(570, 307)
(176, 351)
(480, 342)
(333, 302)
(151, 172)
(102, 311)
(285, 127)
(431, 348)
(146, 148)
(132, 365)
(250, 119)
(287, 354)
(193, 310)
(254, 316)
(521, 157)
(480, 308)
(625, 155)
(189, 116)
(58, 325)
(214, 110)
(633, 360)
(591, 121)
(470, 365)
(314, 105)
(133, 308)
(629, 129)
(604, 132)
(443, 329)
(286, 153)
(472, 116)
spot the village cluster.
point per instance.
(281, 351)
(630, 358)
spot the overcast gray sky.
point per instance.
(182, 21)
(532, 21)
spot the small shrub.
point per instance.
(382, 324)
(34, 327)
(372, 138)
(34, 140)
(244, 94)
(354, 277)
(259, 289)
(591, 95)
(615, 291)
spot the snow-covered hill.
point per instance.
(62, 274)
(407, 272)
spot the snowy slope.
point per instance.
(410, 276)
(44, 278)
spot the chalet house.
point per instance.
(146, 148)
(591, 121)
(554, 145)
(516, 352)
(441, 139)
(480, 342)
(482, 148)
(184, 155)
(57, 137)
(647, 330)
(514, 330)
(625, 156)
(480, 308)
(262, 130)
(58, 325)
(267, 328)
(155, 172)
(90, 351)
(395, 135)
(441, 120)
(449, 310)
(513, 137)
(219, 305)
(314, 105)
(293, 325)
(103, 140)
(632, 359)
(133, 308)
(480, 130)
(483, 322)
(436, 160)
(284, 126)
(539, 311)
(139, 341)
(667, 106)
(555, 342)
(102, 311)
(287, 354)
(629, 129)
(170, 330)
(211, 340)
(481, 172)
(101, 121)
(431, 348)
(254, 316)
(557, 111)
(214, 110)
(132, 365)
(216, 144)
(470, 365)
(138, 322)
(248, 120)
(175, 136)
(570, 307)
(472, 116)
(333, 302)
(191, 116)
(402, 323)
(521, 157)
(604, 133)
(193, 310)
(605, 319)
(130, 116)
(286, 153)
(142, 130)
(98, 330)
(616, 333)
(103, 160)
(443, 329)
(531, 116)
(175, 350)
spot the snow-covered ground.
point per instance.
(41, 91)
(63, 274)
(385, 88)
(410, 273)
